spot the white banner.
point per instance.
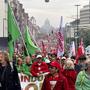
(30, 82)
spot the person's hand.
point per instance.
(30, 74)
(39, 74)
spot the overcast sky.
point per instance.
(52, 10)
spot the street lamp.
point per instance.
(77, 15)
(46, 0)
(77, 21)
(89, 11)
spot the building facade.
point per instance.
(85, 16)
(3, 18)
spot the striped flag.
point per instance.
(60, 44)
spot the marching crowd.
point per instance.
(61, 73)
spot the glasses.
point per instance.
(52, 67)
(39, 58)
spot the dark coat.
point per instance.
(9, 78)
(60, 85)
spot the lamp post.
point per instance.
(77, 27)
(89, 11)
(46, 0)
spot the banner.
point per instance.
(30, 82)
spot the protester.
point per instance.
(33, 57)
(53, 56)
(62, 62)
(27, 66)
(19, 65)
(83, 78)
(49, 57)
(70, 73)
(81, 63)
(8, 74)
(39, 67)
(55, 80)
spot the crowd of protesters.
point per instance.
(61, 73)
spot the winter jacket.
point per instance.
(26, 69)
(9, 79)
(61, 83)
(71, 78)
(39, 68)
(82, 81)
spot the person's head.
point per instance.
(33, 56)
(63, 60)
(49, 56)
(73, 57)
(69, 64)
(39, 58)
(19, 61)
(27, 59)
(82, 59)
(53, 56)
(1, 57)
(15, 56)
(87, 65)
(4, 58)
(54, 67)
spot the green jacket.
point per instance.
(19, 68)
(26, 69)
(82, 81)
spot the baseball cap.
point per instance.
(39, 56)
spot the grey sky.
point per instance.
(52, 10)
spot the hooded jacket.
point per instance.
(61, 83)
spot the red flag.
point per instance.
(80, 50)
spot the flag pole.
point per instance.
(60, 24)
(19, 30)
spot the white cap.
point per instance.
(39, 56)
(47, 60)
(63, 58)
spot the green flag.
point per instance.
(13, 31)
(29, 44)
(11, 49)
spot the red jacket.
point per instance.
(39, 68)
(71, 78)
(60, 85)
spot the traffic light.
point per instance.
(46, 0)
